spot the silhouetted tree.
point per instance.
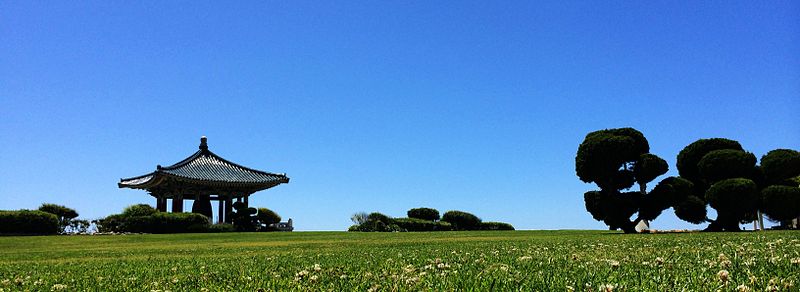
(780, 200)
(615, 160)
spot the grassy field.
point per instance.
(340, 261)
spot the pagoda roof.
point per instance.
(208, 170)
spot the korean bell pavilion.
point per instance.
(204, 177)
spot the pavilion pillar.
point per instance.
(228, 208)
(161, 203)
(247, 200)
(221, 211)
(177, 203)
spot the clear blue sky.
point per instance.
(379, 106)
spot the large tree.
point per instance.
(724, 176)
(780, 199)
(616, 160)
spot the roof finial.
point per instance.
(203, 144)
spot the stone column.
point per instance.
(228, 208)
(177, 203)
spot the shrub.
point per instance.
(28, 222)
(496, 226)
(424, 214)
(65, 215)
(462, 220)
(159, 222)
(379, 217)
(244, 218)
(266, 216)
(139, 210)
(726, 163)
(781, 203)
(416, 224)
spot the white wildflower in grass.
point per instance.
(442, 266)
(525, 258)
(659, 260)
(570, 289)
(725, 264)
(175, 280)
(722, 257)
(317, 268)
(723, 275)
(795, 261)
(58, 287)
(313, 278)
(607, 288)
(174, 269)
(5, 282)
(743, 288)
(343, 276)
(409, 269)
(614, 264)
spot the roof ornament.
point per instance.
(203, 143)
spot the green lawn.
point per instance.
(336, 261)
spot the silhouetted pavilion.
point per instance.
(203, 177)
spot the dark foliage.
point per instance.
(691, 209)
(220, 228)
(65, 216)
(723, 164)
(496, 226)
(424, 214)
(780, 166)
(162, 222)
(781, 203)
(691, 155)
(266, 216)
(202, 206)
(733, 199)
(648, 167)
(379, 217)
(139, 210)
(416, 224)
(617, 159)
(462, 220)
(244, 217)
(27, 222)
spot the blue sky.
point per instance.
(379, 106)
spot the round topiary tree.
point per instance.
(138, 210)
(424, 214)
(708, 162)
(617, 159)
(781, 175)
(734, 199)
(462, 220)
(267, 217)
(781, 203)
(780, 166)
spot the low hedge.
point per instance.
(496, 226)
(462, 220)
(28, 222)
(159, 222)
(415, 224)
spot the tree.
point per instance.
(615, 160)
(462, 220)
(244, 218)
(267, 217)
(424, 214)
(780, 199)
(65, 215)
(724, 176)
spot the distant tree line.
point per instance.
(423, 219)
(48, 219)
(714, 172)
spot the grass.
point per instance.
(341, 261)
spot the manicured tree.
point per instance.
(65, 215)
(267, 217)
(244, 218)
(462, 220)
(617, 159)
(734, 199)
(424, 214)
(780, 200)
(707, 162)
(139, 210)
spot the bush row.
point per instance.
(28, 222)
(423, 219)
(159, 222)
